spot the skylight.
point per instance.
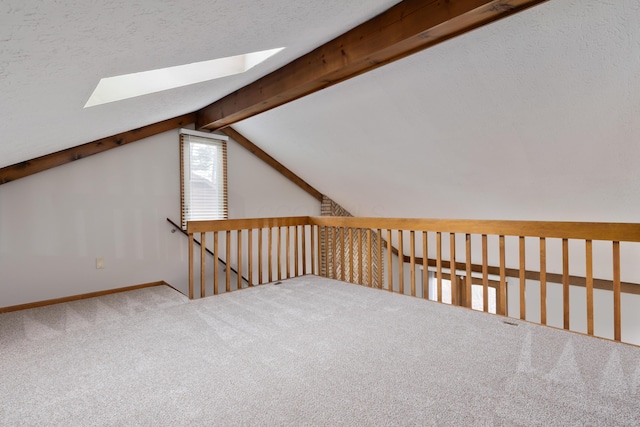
(126, 86)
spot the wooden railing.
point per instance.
(265, 249)
(388, 253)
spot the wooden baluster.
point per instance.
(313, 249)
(617, 312)
(327, 249)
(352, 254)
(279, 244)
(260, 256)
(380, 285)
(239, 245)
(502, 294)
(589, 285)
(485, 274)
(191, 261)
(337, 266)
(400, 262)
(216, 263)
(412, 261)
(288, 252)
(334, 267)
(523, 282)
(389, 262)
(203, 264)
(318, 253)
(330, 258)
(296, 252)
(270, 253)
(369, 258)
(343, 244)
(304, 250)
(250, 257)
(360, 258)
(565, 282)
(439, 265)
(469, 279)
(543, 281)
(228, 266)
(452, 269)
(425, 265)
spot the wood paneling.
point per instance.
(406, 28)
(39, 164)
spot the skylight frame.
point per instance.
(126, 86)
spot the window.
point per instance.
(203, 176)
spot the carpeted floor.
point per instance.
(310, 351)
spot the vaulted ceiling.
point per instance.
(533, 117)
(53, 53)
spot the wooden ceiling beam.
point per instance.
(406, 28)
(265, 157)
(39, 164)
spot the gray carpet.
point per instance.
(310, 351)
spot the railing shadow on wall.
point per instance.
(528, 263)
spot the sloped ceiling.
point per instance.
(534, 117)
(53, 53)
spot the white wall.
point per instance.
(114, 205)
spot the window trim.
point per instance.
(219, 139)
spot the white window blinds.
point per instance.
(203, 176)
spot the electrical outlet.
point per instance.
(99, 263)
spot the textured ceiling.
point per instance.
(534, 117)
(53, 53)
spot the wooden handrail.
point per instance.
(245, 224)
(622, 232)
